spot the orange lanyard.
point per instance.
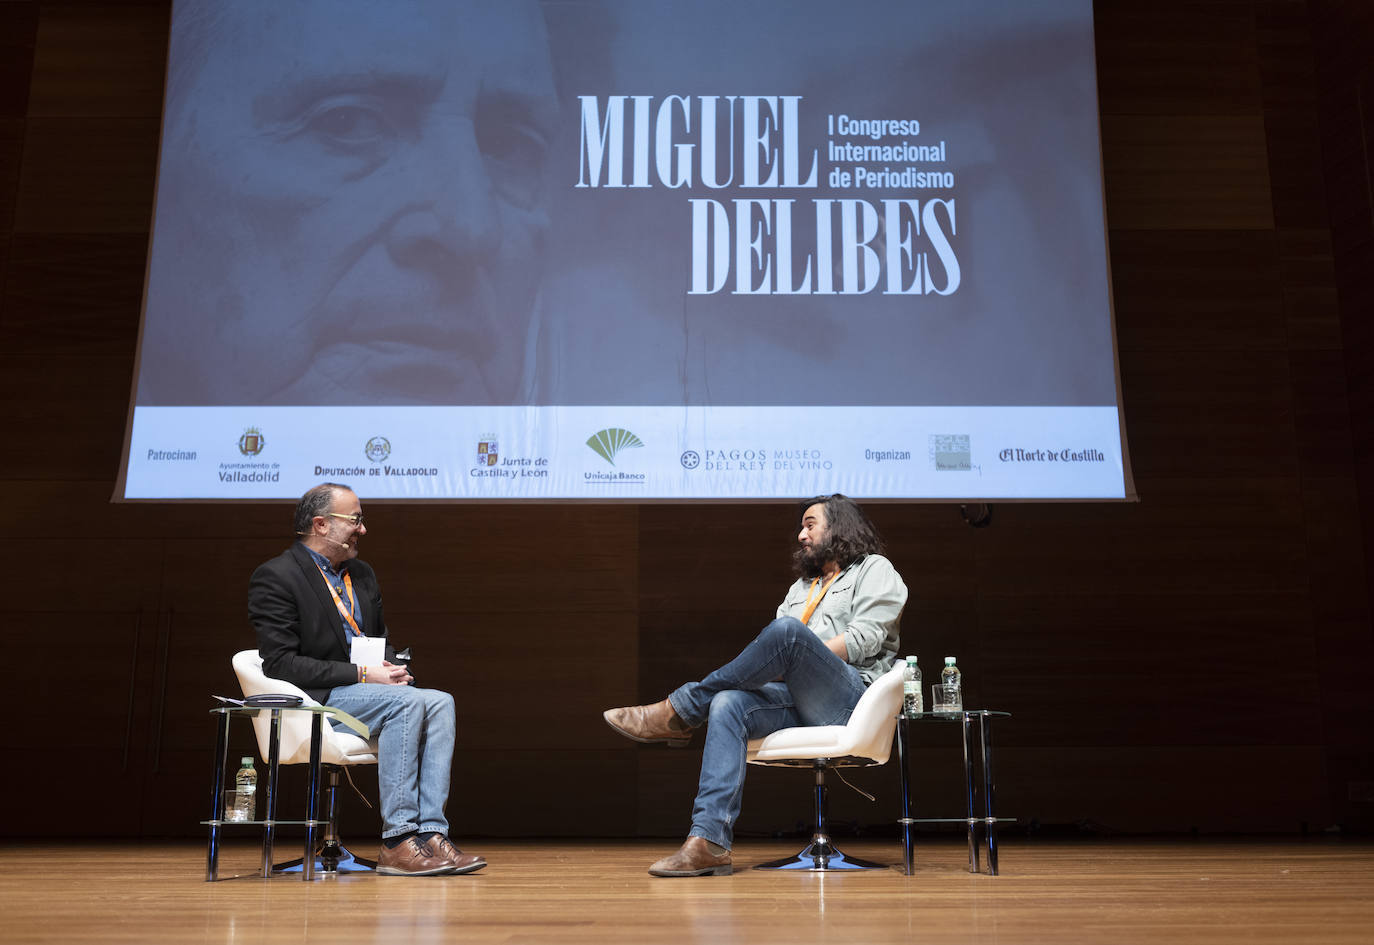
(812, 604)
(345, 612)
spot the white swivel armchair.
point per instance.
(866, 739)
(337, 750)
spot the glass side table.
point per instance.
(268, 821)
(988, 822)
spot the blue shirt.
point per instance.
(335, 577)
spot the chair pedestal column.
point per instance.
(820, 855)
(332, 856)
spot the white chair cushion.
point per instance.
(816, 741)
(867, 734)
(353, 749)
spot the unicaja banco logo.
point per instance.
(377, 449)
(609, 442)
(252, 442)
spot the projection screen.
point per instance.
(628, 250)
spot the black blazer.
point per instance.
(301, 636)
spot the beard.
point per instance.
(809, 561)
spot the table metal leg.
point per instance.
(968, 792)
(270, 799)
(312, 798)
(990, 824)
(217, 799)
(908, 853)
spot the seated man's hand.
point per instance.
(389, 674)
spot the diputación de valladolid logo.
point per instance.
(377, 449)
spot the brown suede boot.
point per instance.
(650, 723)
(693, 859)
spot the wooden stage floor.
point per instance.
(1065, 892)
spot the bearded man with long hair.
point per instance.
(835, 632)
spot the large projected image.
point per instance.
(628, 249)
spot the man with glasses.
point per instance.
(316, 609)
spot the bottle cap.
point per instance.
(911, 659)
(949, 661)
(246, 761)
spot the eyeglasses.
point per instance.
(356, 519)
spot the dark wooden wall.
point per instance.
(1197, 660)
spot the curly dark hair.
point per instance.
(317, 501)
(849, 533)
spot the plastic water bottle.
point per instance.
(950, 676)
(911, 688)
(246, 791)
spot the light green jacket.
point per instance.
(865, 605)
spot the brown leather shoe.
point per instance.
(412, 858)
(462, 862)
(650, 723)
(693, 859)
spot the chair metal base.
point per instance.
(331, 858)
(820, 856)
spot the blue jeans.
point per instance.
(740, 701)
(414, 729)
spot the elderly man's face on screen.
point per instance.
(350, 202)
